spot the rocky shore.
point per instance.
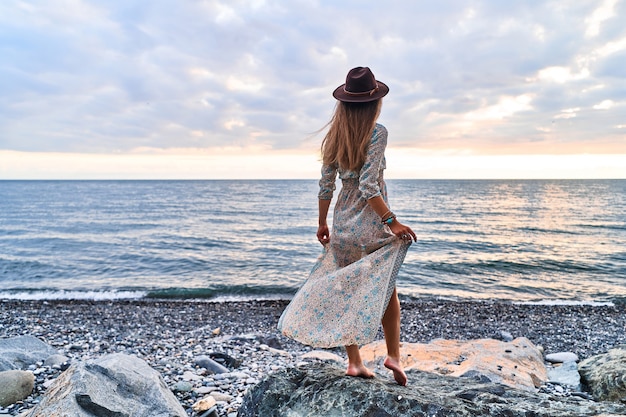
(171, 336)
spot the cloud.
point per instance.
(114, 77)
(599, 15)
(605, 105)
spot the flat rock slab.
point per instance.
(324, 390)
(517, 363)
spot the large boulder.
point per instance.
(22, 351)
(605, 374)
(115, 385)
(324, 390)
(517, 363)
(15, 386)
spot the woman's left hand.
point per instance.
(403, 232)
(323, 234)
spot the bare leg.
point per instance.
(355, 364)
(391, 328)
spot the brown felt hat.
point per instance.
(361, 86)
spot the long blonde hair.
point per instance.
(345, 144)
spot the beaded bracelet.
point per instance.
(389, 219)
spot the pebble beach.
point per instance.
(170, 335)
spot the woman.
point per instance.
(351, 288)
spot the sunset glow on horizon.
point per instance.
(402, 163)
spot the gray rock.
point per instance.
(566, 374)
(323, 390)
(323, 355)
(15, 386)
(270, 340)
(562, 357)
(55, 360)
(605, 374)
(225, 359)
(506, 336)
(209, 364)
(115, 385)
(182, 386)
(22, 351)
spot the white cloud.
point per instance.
(233, 123)
(604, 105)
(506, 107)
(612, 47)
(247, 84)
(561, 74)
(226, 15)
(599, 15)
(568, 113)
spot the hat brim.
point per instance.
(341, 95)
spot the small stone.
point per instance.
(190, 376)
(204, 404)
(225, 359)
(217, 331)
(279, 352)
(55, 360)
(220, 396)
(208, 363)
(323, 356)
(237, 375)
(182, 386)
(506, 336)
(561, 357)
(205, 390)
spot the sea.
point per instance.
(523, 241)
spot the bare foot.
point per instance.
(398, 372)
(359, 371)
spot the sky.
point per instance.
(242, 89)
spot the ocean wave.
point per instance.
(35, 295)
(559, 302)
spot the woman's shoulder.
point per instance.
(378, 128)
(380, 132)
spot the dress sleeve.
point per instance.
(327, 182)
(370, 172)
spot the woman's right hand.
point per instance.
(402, 231)
(323, 234)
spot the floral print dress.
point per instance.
(344, 298)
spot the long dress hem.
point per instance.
(339, 308)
